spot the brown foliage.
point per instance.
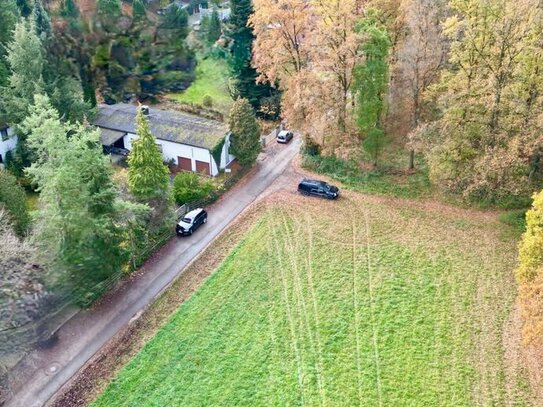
(310, 50)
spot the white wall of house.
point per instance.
(172, 151)
(9, 144)
(226, 157)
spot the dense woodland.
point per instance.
(448, 88)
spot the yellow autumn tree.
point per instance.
(530, 273)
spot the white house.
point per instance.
(8, 141)
(224, 13)
(191, 142)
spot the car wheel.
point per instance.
(304, 193)
(190, 231)
(205, 220)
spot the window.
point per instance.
(4, 134)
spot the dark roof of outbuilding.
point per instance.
(109, 137)
(165, 125)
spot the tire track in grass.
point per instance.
(356, 313)
(293, 336)
(274, 337)
(311, 284)
(375, 334)
(291, 252)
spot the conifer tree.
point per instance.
(176, 18)
(242, 37)
(148, 176)
(42, 22)
(214, 30)
(9, 15)
(25, 58)
(77, 223)
(24, 7)
(70, 9)
(370, 85)
(138, 11)
(245, 137)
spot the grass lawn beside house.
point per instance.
(211, 80)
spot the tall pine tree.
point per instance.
(9, 15)
(24, 7)
(214, 30)
(42, 22)
(148, 176)
(25, 59)
(242, 37)
(245, 138)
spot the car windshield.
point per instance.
(186, 220)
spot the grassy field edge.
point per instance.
(103, 367)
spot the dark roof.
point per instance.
(165, 125)
(109, 137)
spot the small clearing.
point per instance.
(211, 80)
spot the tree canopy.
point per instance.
(245, 138)
(76, 226)
(148, 176)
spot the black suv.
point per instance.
(191, 221)
(318, 188)
(117, 151)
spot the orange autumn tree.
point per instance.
(310, 49)
(282, 51)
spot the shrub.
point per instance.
(13, 198)
(189, 187)
(310, 147)
(207, 101)
(270, 107)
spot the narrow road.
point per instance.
(84, 335)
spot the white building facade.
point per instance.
(187, 142)
(8, 142)
(189, 158)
